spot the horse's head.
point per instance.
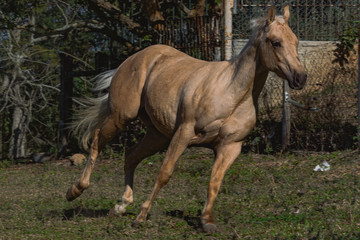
(278, 49)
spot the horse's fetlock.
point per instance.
(127, 199)
(83, 185)
(206, 218)
(72, 193)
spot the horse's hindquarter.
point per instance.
(169, 94)
(129, 84)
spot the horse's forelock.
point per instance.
(261, 22)
(256, 23)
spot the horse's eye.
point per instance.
(276, 44)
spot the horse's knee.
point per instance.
(164, 177)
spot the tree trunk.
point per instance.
(1, 135)
(18, 134)
(229, 4)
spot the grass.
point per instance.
(262, 197)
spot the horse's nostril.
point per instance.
(300, 79)
(304, 77)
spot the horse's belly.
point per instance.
(161, 100)
(162, 116)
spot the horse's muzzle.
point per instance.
(298, 81)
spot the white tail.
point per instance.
(95, 112)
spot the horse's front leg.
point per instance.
(178, 144)
(225, 156)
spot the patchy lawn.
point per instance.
(262, 197)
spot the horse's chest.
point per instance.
(234, 126)
(239, 124)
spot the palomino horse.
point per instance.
(186, 102)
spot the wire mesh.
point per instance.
(310, 19)
(330, 88)
(199, 37)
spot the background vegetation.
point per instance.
(35, 33)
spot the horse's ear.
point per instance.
(271, 15)
(286, 14)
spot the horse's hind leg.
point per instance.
(101, 137)
(152, 143)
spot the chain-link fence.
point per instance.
(315, 20)
(331, 88)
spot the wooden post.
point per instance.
(286, 116)
(229, 4)
(65, 101)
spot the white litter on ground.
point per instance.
(323, 167)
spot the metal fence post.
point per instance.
(285, 136)
(358, 127)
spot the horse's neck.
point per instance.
(249, 74)
(261, 75)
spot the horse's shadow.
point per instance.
(193, 221)
(69, 214)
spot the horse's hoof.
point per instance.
(112, 213)
(117, 211)
(72, 193)
(209, 228)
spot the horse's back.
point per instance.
(159, 79)
(135, 70)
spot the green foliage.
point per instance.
(5, 164)
(347, 41)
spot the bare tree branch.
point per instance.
(184, 8)
(116, 14)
